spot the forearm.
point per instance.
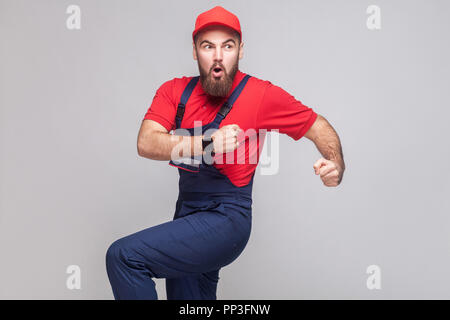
(328, 143)
(165, 146)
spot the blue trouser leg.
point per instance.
(189, 251)
(199, 287)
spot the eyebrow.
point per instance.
(222, 42)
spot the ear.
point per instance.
(194, 52)
(241, 50)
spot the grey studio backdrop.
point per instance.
(72, 102)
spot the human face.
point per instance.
(217, 51)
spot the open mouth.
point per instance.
(217, 72)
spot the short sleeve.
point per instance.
(163, 107)
(280, 110)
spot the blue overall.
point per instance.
(210, 228)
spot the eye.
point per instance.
(207, 46)
(229, 46)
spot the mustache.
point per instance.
(218, 65)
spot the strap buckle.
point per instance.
(180, 111)
(225, 109)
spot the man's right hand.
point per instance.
(225, 139)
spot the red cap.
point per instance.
(217, 16)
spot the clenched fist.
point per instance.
(330, 172)
(225, 139)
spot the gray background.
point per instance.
(71, 181)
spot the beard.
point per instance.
(218, 87)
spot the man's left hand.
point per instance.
(330, 172)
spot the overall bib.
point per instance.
(210, 229)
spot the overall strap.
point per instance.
(183, 101)
(226, 107)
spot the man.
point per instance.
(218, 114)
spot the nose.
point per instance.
(218, 54)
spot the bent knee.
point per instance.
(115, 253)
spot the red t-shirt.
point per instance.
(261, 105)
